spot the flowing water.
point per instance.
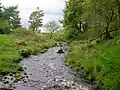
(47, 71)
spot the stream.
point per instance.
(45, 71)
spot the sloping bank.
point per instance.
(11, 52)
(100, 63)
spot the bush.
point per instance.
(70, 33)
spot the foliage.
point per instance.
(91, 17)
(12, 15)
(98, 62)
(72, 14)
(3, 21)
(9, 19)
(51, 26)
(35, 19)
(0, 10)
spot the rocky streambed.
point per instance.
(45, 71)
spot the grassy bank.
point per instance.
(99, 62)
(11, 53)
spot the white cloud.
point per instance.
(51, 8)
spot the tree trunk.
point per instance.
(33, 28)
(118, 10)
(107, 33)
(76, 27)
(51, 35)
(80, 27)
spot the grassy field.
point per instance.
(99, 62)
(11, 54)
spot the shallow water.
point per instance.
(47, 71)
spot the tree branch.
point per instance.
(98, 36)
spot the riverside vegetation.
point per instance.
(92, 29)
(11, 53)
(98, 62)
(17, 42)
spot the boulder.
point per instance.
(43, 51)
(60, 51)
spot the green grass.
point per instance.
(99, 61)
(10, 53)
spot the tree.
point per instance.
(51, 26)
(1, 13)
(118, 10)
(96, 16)
(73, 13)
(35, 19)
(3, 22)
(103, 16)
(12, 15)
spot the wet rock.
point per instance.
(1, 85)
(24, 81)
(6, 82)
(11, 78)
(25, 68)
(22, 77)
(13, 88)
(67, 87)
(25, 73)
(30, 74)
(43, 51)
(10, 74)
(7, 87)
(26, 76)
(5, 77)
(60, 51)
(24, 54)
(62, 84)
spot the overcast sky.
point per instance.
(51, 8)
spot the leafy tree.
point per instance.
(35, 19)
(12, 15)
(118, 10)
(102, 16)
(3, 22)
(51, 26)
(92, 17)
(0, 10)
(73, 13)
